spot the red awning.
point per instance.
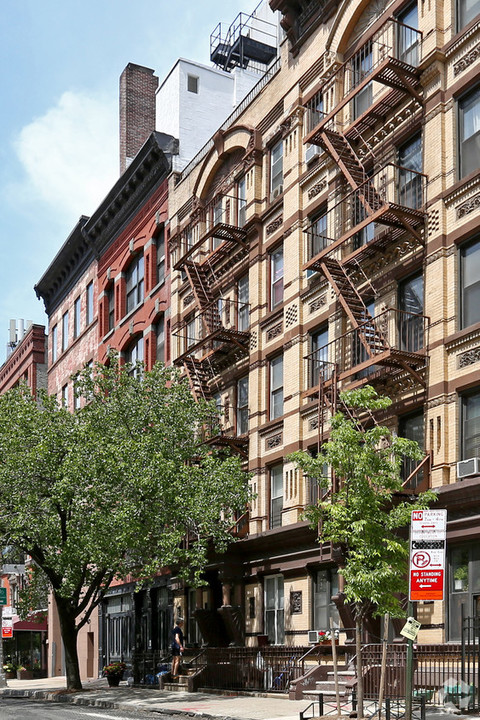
(36, 622)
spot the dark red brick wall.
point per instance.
(137, 110)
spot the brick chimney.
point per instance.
(137, 110)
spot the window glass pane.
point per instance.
(65, 331)
(243, 307)
(319, 349)
(161, 257)
(410, 183)
(471, 426)
(410, 319)
(89, 308)
(276, 277)
(76, 318)
(467, 10)
(160, 333)
(408, 39)
(470, 283)
(276, 167)
(469, 119)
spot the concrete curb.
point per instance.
(85, 701)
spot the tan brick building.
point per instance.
(326, 236)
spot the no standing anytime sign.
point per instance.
(428, 533)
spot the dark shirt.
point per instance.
(177, 631)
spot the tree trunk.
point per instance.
(358, 649)
(69, 633)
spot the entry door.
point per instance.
(274, 612)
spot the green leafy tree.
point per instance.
(367, 510)
(114, 488)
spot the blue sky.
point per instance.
(61, 61)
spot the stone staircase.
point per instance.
(179, 684)
(327, 687)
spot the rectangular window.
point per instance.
(274, 610)
(410, 187)
(317, 237)
(408, 36)
(54, 342)
(463, 585)
(190, 338)
(470, 283)
(324, 588)
(134, 356)
(466, 11)
(111, 307)
(276, 387)
(134, 282)
(361, 67)
(469, 132)
(410, 318)
(161, 257)
(470, 426)
(319, 367)
(160, 335)
(65, 396)
(76, 317)
(276, 495)
(276, 169)
(241, 202)
(192, 84)
(243, 308)
(65, 331)
(242, 406)
(276, 278)
(89, 306)
(412, 427)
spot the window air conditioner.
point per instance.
(311, 152)
(313, 637)
(466, 468)
(277, 191)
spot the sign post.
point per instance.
(426, 577)
(3, 601)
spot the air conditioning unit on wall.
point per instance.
(467, 468)
(311, 152)
(277, 191)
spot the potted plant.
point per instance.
(325, 637)
(114, 673)
(10, 670)
(24, 673)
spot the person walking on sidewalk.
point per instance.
(177, 646)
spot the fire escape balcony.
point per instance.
(384, 207)
(390, 59)
(393, 340)
(230, 430)
(218, 331)
(217, 233)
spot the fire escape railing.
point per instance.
(394, 196)
(221, 221)
(403, 336)
(390, 56)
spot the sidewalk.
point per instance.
(96, 693)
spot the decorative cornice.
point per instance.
(274, 441)
(441, 400)
(274, 225)
(317, 188)
(466, 60)
(274, 331)
(469, 358)
(469, 205)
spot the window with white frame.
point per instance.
(89, 304)
(65, 396)
(160, 243)
(111, 307)
(134, 283)
(241, 201)
(243, 307)
(65, 331)
(76, 317)
(134, 356)
(467, 10)
(160, 338)
(276, 169)
(276, 387)
(276, 278)
(274, 610)
(242, 405)
(469, 132)
(470, 283)
(54, 342)
(276, 495)
(470, 428)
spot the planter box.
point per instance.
(24, 674)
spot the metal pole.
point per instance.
(409, 671)
(3, 682)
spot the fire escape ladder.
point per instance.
(198, 377)
(342, 153)
(204, 298)
(356, 310)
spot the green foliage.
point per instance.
(367, 512)
(116, 487)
